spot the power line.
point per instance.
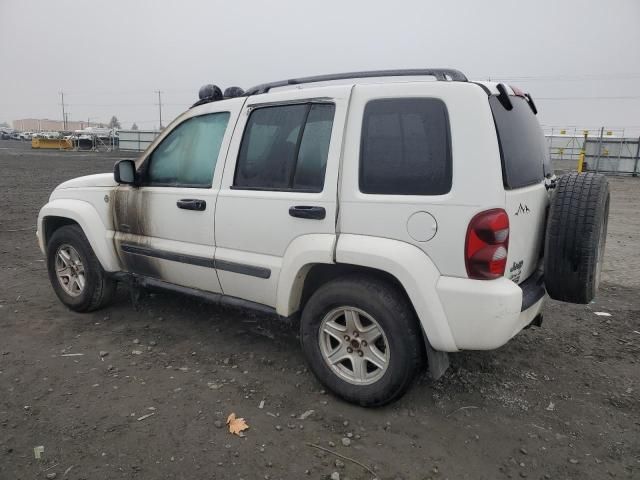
(569, 78)
(111, 105)
(622, 97)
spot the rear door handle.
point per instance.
(192, 204)
(305, 211)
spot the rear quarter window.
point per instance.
(523, 148)
(405, 147)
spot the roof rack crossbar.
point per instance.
(441, 74)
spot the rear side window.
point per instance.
(524, 152)
(405, 147)
(285, 148)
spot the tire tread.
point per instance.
(101, 286)
(410, 357)
(578, 207)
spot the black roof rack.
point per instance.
(441, 74)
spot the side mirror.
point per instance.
(124, 172)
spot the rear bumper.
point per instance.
(486, 314)
(532, 290)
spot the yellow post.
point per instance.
(580, 161)
(582, 152)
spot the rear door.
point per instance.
(280, 183)
(525, 161)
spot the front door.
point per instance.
(165, 226)
(279, 184)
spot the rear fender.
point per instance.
(413, 269)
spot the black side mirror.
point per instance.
(124, 172)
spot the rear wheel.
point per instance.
(361, 339)
(75, 273)
(576, 237)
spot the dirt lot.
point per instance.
(560, 402)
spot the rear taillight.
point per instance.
(485, 251)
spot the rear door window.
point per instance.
(285, 148)
(523, 148)
(405, 147)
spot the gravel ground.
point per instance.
(144, 393)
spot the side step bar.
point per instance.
(211, 297)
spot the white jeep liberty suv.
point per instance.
(403, 214)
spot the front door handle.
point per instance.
(305, 211)
(192, 204)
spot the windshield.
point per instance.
(523, 148)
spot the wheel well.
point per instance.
(321, 273)
(51, 224)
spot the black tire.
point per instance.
(576, 236)
(98, 290)
(392, 311)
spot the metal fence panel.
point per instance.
(136, 140)
(605, 150)
(612, 155)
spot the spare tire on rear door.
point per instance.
(576, 235)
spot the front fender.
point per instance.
(84, 214)
(413, 269)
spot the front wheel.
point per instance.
(361, 339)
(75, 272)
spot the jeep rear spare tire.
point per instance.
(576, 235)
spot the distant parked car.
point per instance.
(48, 135)
(15, 136)
(26, 135)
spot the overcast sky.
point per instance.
(579, 59)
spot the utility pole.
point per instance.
(160, 106)
(64, 117)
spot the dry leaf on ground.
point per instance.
(236, 425)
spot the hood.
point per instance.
(98, 180)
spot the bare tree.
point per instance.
(114, 123)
